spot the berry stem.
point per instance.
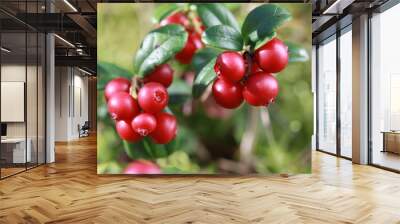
(192, 18)
(249, 61)
(136, 83)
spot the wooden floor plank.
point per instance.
(70, 191)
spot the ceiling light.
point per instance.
(5, 50)
(326, 11)
(337, 7)
(65, 41)
(70, 5)
(84, 71)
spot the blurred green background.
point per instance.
(212, 139)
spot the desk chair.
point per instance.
(84, 130)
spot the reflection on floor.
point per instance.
(13, 169)
(70, 191)
(387, 159)
(10, 171)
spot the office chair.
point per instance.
(84, 130)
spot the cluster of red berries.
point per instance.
(144, 116)
(194, 39)
(249, 77)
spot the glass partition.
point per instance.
(346, 92)
(14, 155)
(41, 96)
(327, 96)
(22, 101)
(31, 97)
(385, 89)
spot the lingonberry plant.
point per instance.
(240, 63)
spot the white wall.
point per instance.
(61, 103)
(71, 94)
(33, 126)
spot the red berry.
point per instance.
(142, 167)
(116, 85)
(126, 132)
(250, 98)
(192, 44)
(227, 94)
(230, 66)
(272, 56)
(144, 124)
(166, 128)
(153, 97)
(162, 74)
(260, 89)
(122, 106)
(176, 18)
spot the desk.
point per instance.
(391, 141)
(17, 150)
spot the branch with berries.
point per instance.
(239, 62)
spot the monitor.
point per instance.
(3, 129)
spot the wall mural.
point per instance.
(204, 88)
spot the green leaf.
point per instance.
(155, 150)
(171, 170)
(178, 162)
(145, 149)
(297, 53)
(158, 47)
(178, 92)
(164, 10)
(213, 14)
(109, 168)
(262, 22)
(232, 6)
(224, 37)
(202, 57)
(204, 78)
(107, 71)
(135, 150)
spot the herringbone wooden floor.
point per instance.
(69, 191)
